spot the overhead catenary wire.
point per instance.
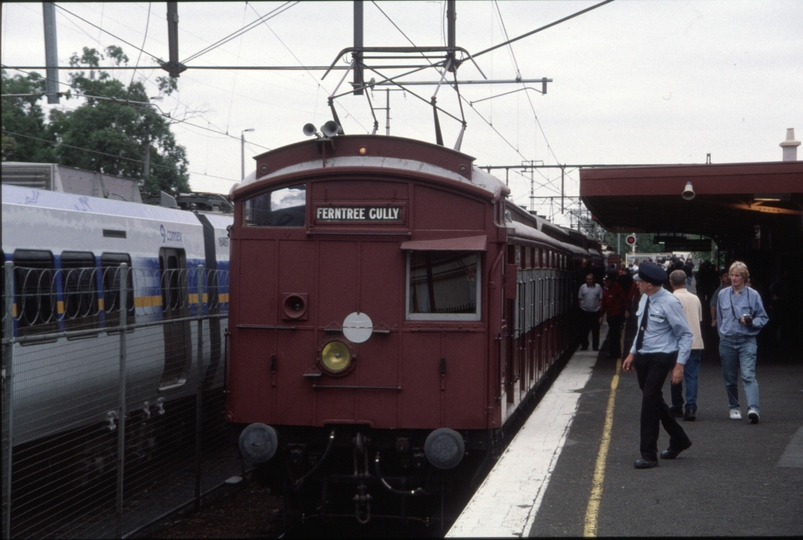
(497, 130)
(301, 65)
(62, 8)
(171, 119)
(278, 11)
(135, 160)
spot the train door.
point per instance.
(175, 313)
(513, 318)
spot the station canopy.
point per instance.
(738, 205)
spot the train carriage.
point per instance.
(391, 311)
(66, 254)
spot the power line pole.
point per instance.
(51, 52)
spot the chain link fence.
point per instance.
(113, 396)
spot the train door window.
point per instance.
(35, 292)
(285, 207)
(172, 264)
(175, 311)
(80, 293)
(112, 285)
(443, 285)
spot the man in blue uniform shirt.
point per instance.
(662, 344)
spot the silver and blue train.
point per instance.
(93, 287)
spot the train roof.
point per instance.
(521, 230)
(64, 179)
(26, 196)
(371, 151)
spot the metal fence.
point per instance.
(113, 403)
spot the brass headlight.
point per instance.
(336, 356)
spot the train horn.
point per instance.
(331, 128)
(309, 130)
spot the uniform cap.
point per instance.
(651, 273)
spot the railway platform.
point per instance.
(569, 471)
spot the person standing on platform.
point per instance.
(590, 298)
(724, 282)
(613, 305)
(694, 315)
(662, 345)
(740, 317)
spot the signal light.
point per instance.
(631, 240)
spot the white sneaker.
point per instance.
(752, 415)
(735, 414)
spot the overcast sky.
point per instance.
(634, 81)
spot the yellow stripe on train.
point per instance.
(148, 301)
(139, 301)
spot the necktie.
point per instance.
(645, 317)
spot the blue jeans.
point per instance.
(739, 352)
(690, 371)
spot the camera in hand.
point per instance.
(748, 320)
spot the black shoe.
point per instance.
(690, 416)
(583, 348)
(677, 412)
(596, 348)
(645, 464)
(672, 453)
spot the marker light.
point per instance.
(336, 356)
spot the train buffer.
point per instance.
(569, 471)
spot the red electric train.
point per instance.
(390, 312)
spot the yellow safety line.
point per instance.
(592, 512)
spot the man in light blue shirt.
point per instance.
(662, 344)
(740, 317)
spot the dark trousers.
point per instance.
(615, 324)
(590, 322)
(652, 369)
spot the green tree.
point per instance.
(25, 137)
(117, 131)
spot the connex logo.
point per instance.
(169, 236)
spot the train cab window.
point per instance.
(443, 285)
(35, 292)
(285, 207)
(79, 279)
(111, 278)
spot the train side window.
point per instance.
(285, 207)
(110, 268)
(35, 292)
(80, 293)
(443, 285)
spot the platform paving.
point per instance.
(737, 479)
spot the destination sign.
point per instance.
(358, 213)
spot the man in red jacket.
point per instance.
(614, 304)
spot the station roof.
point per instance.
(731, 202)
